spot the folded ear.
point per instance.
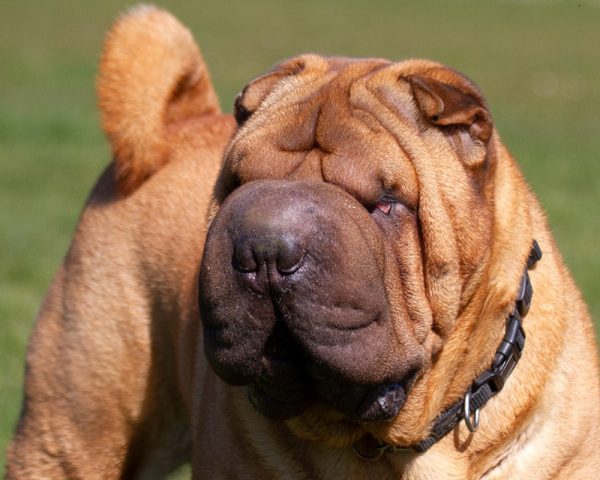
(448, 99)
(253, 94)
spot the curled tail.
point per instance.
(152, 75)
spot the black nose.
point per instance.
(283, 252)
(268, 248)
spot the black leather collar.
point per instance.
(484, 387)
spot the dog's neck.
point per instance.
(485, 386)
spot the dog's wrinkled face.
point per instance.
(350, 221)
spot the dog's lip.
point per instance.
(365, 403)
(382, 403)
(284, 391)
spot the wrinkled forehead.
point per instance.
(312, 86)
(312, 77)
(327, 119)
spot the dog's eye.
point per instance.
(385, 203)
(385, 207)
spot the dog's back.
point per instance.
(102, 395)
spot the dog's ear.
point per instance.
(253, 94)
(447, 99)
(152, 77)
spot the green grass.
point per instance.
(536, 61)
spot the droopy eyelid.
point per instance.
(385, 202)
(388, 197)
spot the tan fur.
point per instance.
(151, 77)
(117, 383)
(109, 361)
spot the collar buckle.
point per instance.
(506, 359)
(370, 449)
(509, 352)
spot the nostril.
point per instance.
(287, 269)
(290, 255)
(280, 254)
(243, 259)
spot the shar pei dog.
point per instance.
(348, 278)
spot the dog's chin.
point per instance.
(280, 392)
(275, 405)
(287, 395)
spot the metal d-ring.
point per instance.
(472, 424)
(371, 457)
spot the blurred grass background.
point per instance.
(537, 61)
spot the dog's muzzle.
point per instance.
(294, 305)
